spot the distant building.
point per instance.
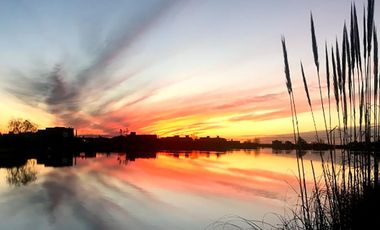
(141, 141)
(57, 132)
(142, 137)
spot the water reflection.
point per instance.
(22, 175)
(163, 190)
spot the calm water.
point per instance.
(171, 191)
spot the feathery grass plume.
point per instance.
(355, 60)
(350, 79)
(316, 61)
(328, 86)
(303, 189)
(340, 83)
(305, 84)
(314, 42)
(344, 57)
(336, 89)
(290, 90)
(349, 62)
(352, 38)
(309, 101)
(286, 64)
(335, 79)
(344, 101)
(358, 59)
(338, 66)
(344, 79)
(327, 70)
(370, 24)
(368, 28)
(357, 41)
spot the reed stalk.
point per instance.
(302, 185)
(375, 82)
(355, 84)
(316, 62)
(328, 88)
(309, 101)
(336, 91)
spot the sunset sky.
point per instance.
(200, 68)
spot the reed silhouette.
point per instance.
(346, 195)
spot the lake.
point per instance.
(164, 190)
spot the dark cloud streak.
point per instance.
(66, 94)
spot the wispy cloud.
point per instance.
(266, 98)
(261, 116)
(66, 94)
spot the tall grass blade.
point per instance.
(290, 89)
(370, 24)
(375, 81)
(316, 61)
(364, 34)
(328, 87)
(314, 42)
(309, 101)
(336, 89)
(344, 65)
(305, 85)
(286, 64)
(339, 68)
(357, 40)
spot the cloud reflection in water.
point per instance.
(163, 193)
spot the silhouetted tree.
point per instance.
(301, 142)
(21, 126)
(256, 140)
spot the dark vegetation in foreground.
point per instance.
(347, 194)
